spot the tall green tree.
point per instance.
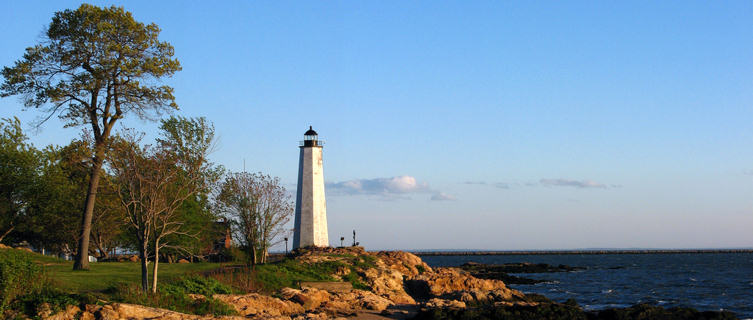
(52, 221)
(19, 166)
(94, 67)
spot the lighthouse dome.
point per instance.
(310, 132)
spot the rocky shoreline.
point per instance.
(399, 285)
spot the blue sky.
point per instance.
(473, 124)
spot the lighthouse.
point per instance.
(310, 205)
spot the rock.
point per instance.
(346, 302)
(387, 283)
(106, 312)
(500, 271)
(311, 316)
(310, 298)
(405, 262)
(134, 258)
(44, 310)
(254, 304)
(443, 304)
(183, 261)
(196, 297)
(342, 271)
(449, 282)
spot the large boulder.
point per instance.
(450, 283)
(348, 302)
(254, 304)
(308, 298)
(387, 283)
(406, 263)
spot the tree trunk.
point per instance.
(82, 258)
(156, 265)
(6, 233)
(144, 271)
(252, 249)
(102, 251)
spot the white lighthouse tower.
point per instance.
(310, 206)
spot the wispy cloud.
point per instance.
(387, 188)
(583, 184)
(441, 196)
(501, 185)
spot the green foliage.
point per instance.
(290, 273)
(420, 269)
(355, 280)
(19, 163)
(174, 296)
(57, 300)
(198, 285)
(19, 275)
(102, 53)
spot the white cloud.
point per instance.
(572, 183)
(441, 196)
(388, 188)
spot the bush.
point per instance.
(198, 285)
(19, 275)
(174, 296)
(56, 300)
(420, 269)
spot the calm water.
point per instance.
(714, 281)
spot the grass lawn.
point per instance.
(105, 274)
(268, 278)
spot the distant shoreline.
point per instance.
(562, 252)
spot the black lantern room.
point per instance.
(311, 138)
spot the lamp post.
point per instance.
(341, 241)
(286, 246)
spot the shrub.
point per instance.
(57, 300)
(197, 285)
(18, 275)
(174, 296)
(420, 269)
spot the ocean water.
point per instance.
(708, 281)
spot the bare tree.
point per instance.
(185, 145)
(259, 208)
(154, 181)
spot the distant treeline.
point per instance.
(553, 252)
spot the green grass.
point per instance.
(103, 275)
(119, 281)
(290, 273)
(268, 277)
